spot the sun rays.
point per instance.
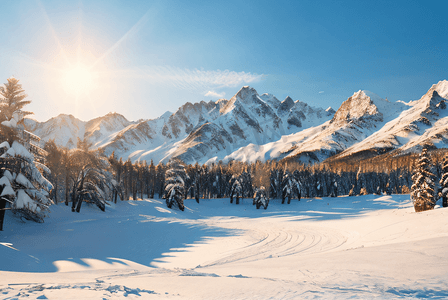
(78, 81)
(78, 75)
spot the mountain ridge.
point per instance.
(252, 127)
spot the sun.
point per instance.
(78, 80)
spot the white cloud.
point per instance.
(215, 94)
(321, 92)
(198, 79)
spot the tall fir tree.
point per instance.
(444, 182)
(422, 190)
(175, 178)
(91, 180)
(22, 183)
(236, 190)
(291, 187)
(261, 198)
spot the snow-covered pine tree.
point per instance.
(152, 178)
(116, 170)
(91, 180)
(160, 180)
(261, 198)
(245, 180)
(444, 182)
(422, 190)
(21, 181)
(276, 183)
(290, 187)
(334, 186)
(175, 178)
(197, 182)
(236, 189)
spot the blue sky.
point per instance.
(146, 57)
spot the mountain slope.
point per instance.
(209, 131)
(66, 129)
(357, 118)
(423, 123)
(250, 127)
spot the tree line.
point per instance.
(281, 180)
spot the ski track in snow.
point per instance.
(280, 242)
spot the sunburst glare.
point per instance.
(78, 80)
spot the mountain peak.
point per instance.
(435, 99)
(358, 106)
(434, 95)
(286, 104)
(165, 115)
(288, 100)
(245, 92)
(245, 95)
(441, 87)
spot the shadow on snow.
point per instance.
(132, 231)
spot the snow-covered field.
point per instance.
(346, 247)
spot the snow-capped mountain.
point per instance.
(424, 122)
(250, 127)
(210, 131)
(66, 129)
(357, 118)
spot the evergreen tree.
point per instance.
(197, 182)
(245, 180)
(116, 169)
(152, 179)
(175, 178)
(422, 190)
(53, 162)
(290, 187)
(91, 182)
(12, 101)
(261, 198)
(160, 180)
(444, 182)
(276, 179)
(236, 190)
(22, 183)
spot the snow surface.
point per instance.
(347, 247)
